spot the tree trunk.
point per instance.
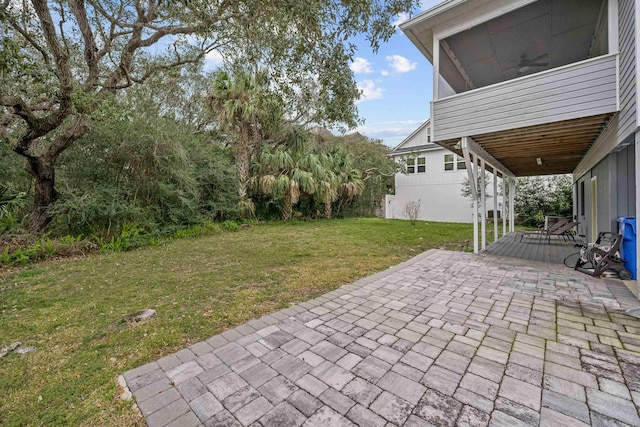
(243, 164)
(287, 208)
(43, 170)
(327, 207)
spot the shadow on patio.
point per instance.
(533, 248)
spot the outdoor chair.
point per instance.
(544, 231)
(565, 231)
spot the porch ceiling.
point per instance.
(551, 32)
(560, 145)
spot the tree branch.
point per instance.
(24, 33)
(90, 48)
(61, 59)
(69, 135)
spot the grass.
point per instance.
(71, 310)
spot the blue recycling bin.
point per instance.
(627, 228)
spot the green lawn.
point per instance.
(71, 310)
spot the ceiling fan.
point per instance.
(526, 64)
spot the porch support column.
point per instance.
(512, 197)
(470, 160)
(475, 203)
(504, 205)
(495, 205)
(483, 202)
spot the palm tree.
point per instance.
(347, 182)
(288, 171)
(328, 184)
(249, 114)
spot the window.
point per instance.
(454, 162)
(422, 165)
(416, 165)
(461, 164)
(448, 162)
(411, 165)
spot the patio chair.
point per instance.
(565, 231)
(542, 231)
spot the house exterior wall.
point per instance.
(577, 90)
(624, 185)
(419, 138)
(627, 46)
(439, 191)
(615, 178)
(622, 127)
(611, 159)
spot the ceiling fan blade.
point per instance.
(538, 64)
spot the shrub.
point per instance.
(230, 225)
(412, 211)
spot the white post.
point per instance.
(483, 198)
(512, 198)
(504, 205)
(436, 70)
(475, 203)
(495, 204)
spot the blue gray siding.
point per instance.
(579, 90)
(623, 181)
(626, 40)
(615, 176)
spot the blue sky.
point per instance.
(396, 84)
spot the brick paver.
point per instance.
(447, 338)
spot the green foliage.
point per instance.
(230, 225)
(11, 205)
(537, 197)
(91, 54)
(377, 170)
(129, 237)
(8, 222)
(147, 170)
(42, 249)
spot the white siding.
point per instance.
(439, 192)
(578, 90)
(417, 139)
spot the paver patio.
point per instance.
(447, 338)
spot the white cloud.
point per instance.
(361, 65)
(392, 132)
(402, 17)
(369, 90)
(384, 72)
(215, 57)
(400, 64)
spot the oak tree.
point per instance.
(61, 59)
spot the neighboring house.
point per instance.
(541, 87)
(433, 175)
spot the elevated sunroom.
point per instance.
(525, 79)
